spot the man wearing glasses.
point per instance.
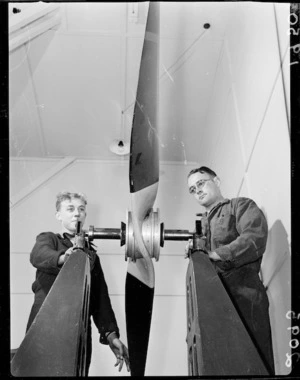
(236, 234)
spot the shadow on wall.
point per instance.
(276, 277)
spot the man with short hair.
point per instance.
(49, 254)
(236, 234)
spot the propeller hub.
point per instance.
(151, 233)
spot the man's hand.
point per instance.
(120, 351)
(63, 258)
(214, 256)
(187, 249)
(200, 246)
(68, 253)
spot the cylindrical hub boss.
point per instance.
(151, 236)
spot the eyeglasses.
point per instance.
(199, 184)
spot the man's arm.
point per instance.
(45, 256)
(100, 305)
(251, 243)
(104, 316)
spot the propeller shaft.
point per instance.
(154, 235)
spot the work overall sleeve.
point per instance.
(100, 307)
(45, 253)
(252, 233)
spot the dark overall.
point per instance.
(237, 231)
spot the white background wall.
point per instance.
(246, 141)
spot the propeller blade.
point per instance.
(144, 149)
(143, 177)
(55, 344)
